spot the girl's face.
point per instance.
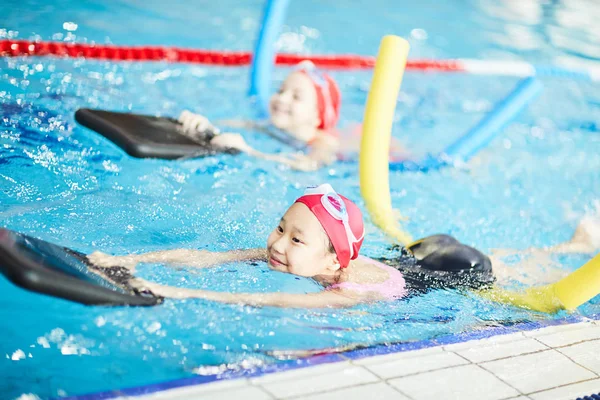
(294, 108)
(300, 246)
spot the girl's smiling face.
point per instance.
(300, 246)
(294, 108)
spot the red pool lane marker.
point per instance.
(19, 48)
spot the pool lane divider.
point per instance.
(24, 48)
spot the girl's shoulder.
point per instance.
(325, 146)
(372, 277)
(326, 137)
(364, 270)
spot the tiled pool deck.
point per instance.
(550, 363)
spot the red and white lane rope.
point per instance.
(15, 48)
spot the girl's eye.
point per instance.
(296, 240)
(297, 97)
(279, 229)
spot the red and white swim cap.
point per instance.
(329, 97)
(341, 219)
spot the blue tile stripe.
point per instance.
(590, 397)
(199, 380)
(367, 351)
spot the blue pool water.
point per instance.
(64, 184)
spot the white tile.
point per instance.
(350, 376)
(485, 342)
(569, 392)
(210, 391)
(408, 366)
(572, 336)
(376, 391)
(398, 356)
(557, 328)
(300, 373)
(461, 383)
(539, 371)
(586, 354)
(187, 391)
(247, 393)
(495, 351)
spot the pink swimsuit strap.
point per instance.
(392, 288)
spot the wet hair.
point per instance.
(330, 247)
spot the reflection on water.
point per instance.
(567, 29)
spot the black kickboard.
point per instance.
(145, 136)
(46, 268)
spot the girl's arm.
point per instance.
(197, 126)
(193, 258)
(585, 239)
(265, 128)
(236, 141)
(261, 126)
(323, 152)
(297, 161)
(194, 124)
(324, 299)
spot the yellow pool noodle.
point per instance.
(569, 293)
(580, 286)
(376, 135)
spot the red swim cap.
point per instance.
(341, 219)
(329, 97)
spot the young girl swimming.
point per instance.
(320, 236)
(306, 109)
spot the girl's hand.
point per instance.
(195, 123)
(231, 141)
(159, 290)
(174, 292)
(105, 260)
(302, 162)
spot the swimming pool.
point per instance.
(65, 184)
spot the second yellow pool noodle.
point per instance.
(569, 293)
(580, 286)
(376, 134)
